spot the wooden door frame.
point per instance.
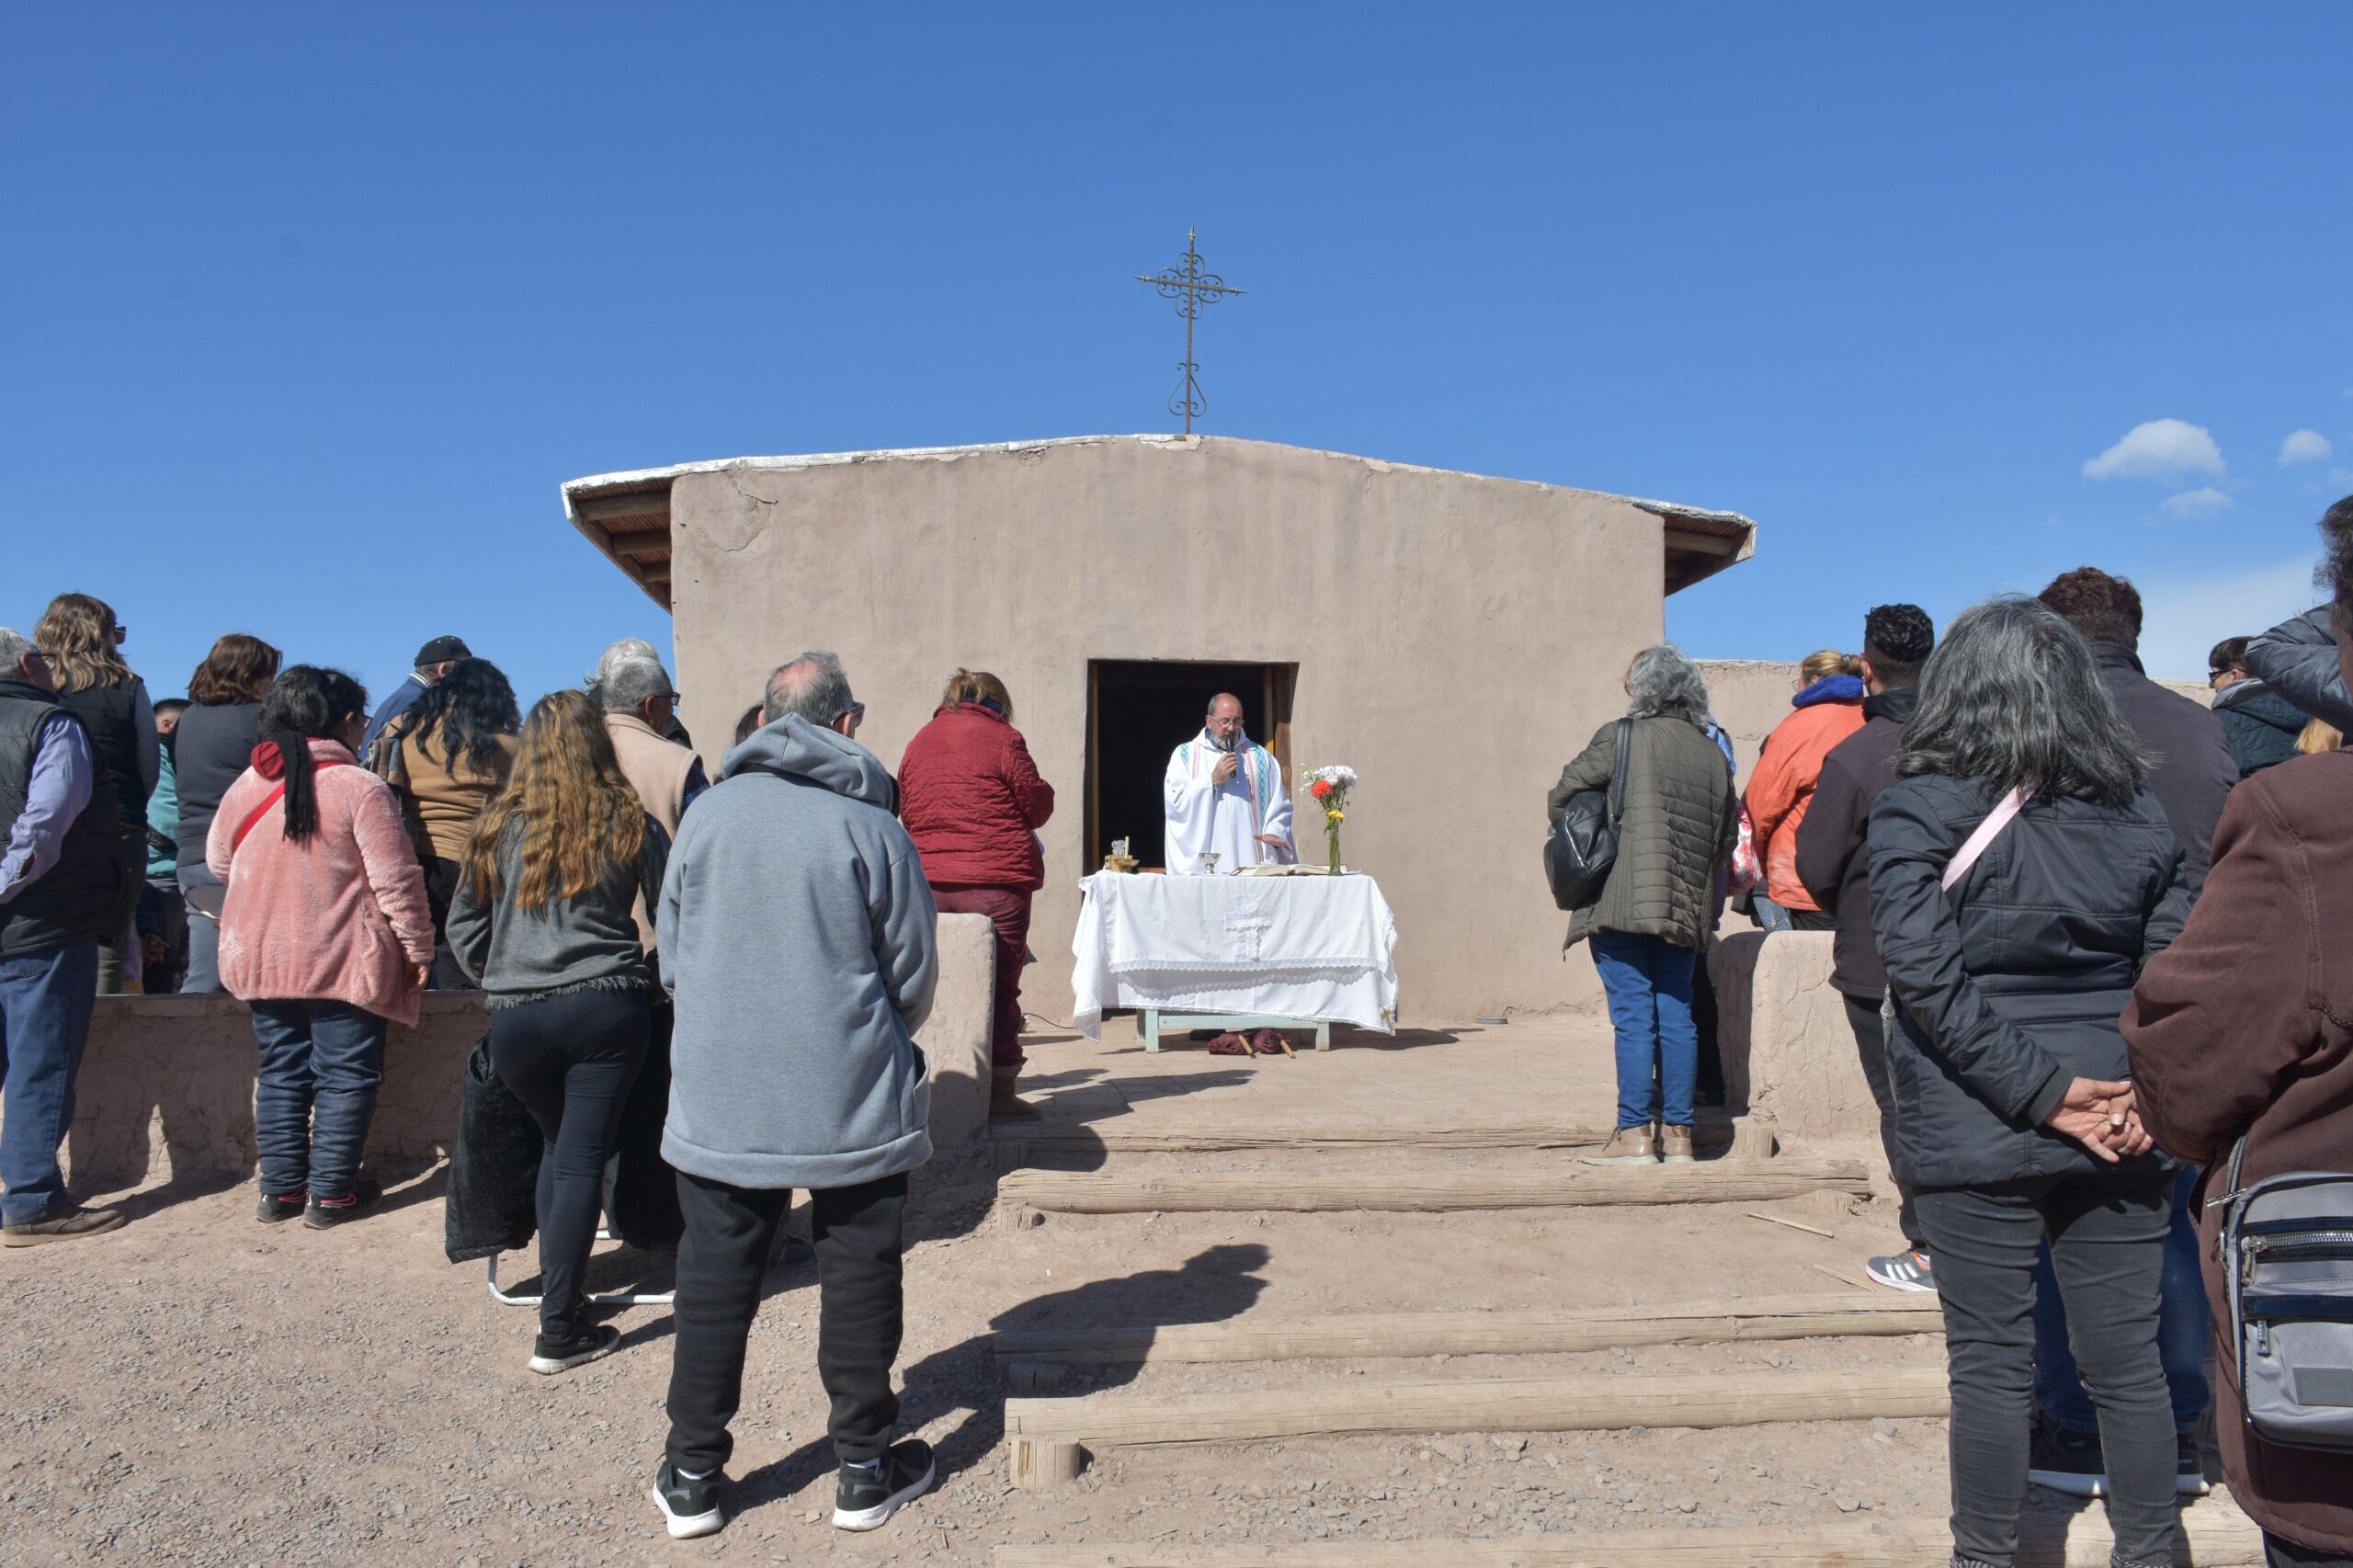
(1279, 688)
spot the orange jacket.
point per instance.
(1782, 787)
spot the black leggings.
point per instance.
(570, 1060)
(2107, 1231)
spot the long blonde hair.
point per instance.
(2319, 736)
(579, 817)
(77, 633)
(1828, 662)
(977, 686)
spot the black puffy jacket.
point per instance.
(2261, 725)
(2297, 659)
(2011, 986)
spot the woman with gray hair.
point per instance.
(2021, 874)
(1658, 905)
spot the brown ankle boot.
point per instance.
(1675, 1145)
(1627, 1146)
(1006, 1106)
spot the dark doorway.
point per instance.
(1140, 710)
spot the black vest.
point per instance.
(75, 900)
(110, 716)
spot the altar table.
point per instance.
(1222, 951)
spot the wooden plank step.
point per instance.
(1572, 1186)
(1122, 1135)
(2215, 1534)
(1580, 1402)
(1264, 1336)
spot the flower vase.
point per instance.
(1332, 838)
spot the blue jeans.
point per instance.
(1649, 982)
(46, 999)
(321, 1063)
(2183, 1322)
(203, 977)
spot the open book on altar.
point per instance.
(1270, 869)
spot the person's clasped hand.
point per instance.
(2099, 1114)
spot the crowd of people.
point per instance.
(2079, 921)
(2082, 926)
(271, 838)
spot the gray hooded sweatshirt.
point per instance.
(796, 935)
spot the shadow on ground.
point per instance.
(1220, 1283)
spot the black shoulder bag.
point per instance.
(1582, 843)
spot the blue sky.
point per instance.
(306, 311)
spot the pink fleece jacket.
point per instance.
(340, 916)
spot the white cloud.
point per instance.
(2203, 502)
(2184, 617)
(2158, 449)
(2304, 447)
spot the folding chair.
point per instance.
(619, 1299)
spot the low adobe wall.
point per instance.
(1789, 1056)
(166, 1088)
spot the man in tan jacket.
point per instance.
(639, 701)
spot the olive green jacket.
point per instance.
(1681, 820)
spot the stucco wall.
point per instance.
(1749, 696)
(167, 1085)
(1458, 639)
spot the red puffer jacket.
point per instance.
(973, 800)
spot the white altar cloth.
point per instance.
(1308, 947)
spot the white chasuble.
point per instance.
(1225, 818)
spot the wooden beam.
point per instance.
(1699, 543)
(1262, 1336)
(1033, 1467)
(2214, 1531)
(602, 509)
(1572, 1186)
(1115, 1136)
(1570, 1403)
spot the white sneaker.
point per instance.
(1905, 1271)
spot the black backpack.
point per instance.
(1583, 842)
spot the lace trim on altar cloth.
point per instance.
(1256, 968)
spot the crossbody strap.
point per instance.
(253, 818)
(2005, 811)
(1617, 771)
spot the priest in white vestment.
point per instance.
(1224, 794)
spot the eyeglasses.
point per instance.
(854, 713)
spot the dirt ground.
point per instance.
(198, 1389)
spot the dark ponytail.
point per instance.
(305, 703)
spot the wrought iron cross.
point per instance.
(1191, 288)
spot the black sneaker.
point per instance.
(2190, 1469)
(275, 1208)
(869, 1494)
(689, 1509)
(326, 1213)
(550, 1357)
(2065, 1463)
